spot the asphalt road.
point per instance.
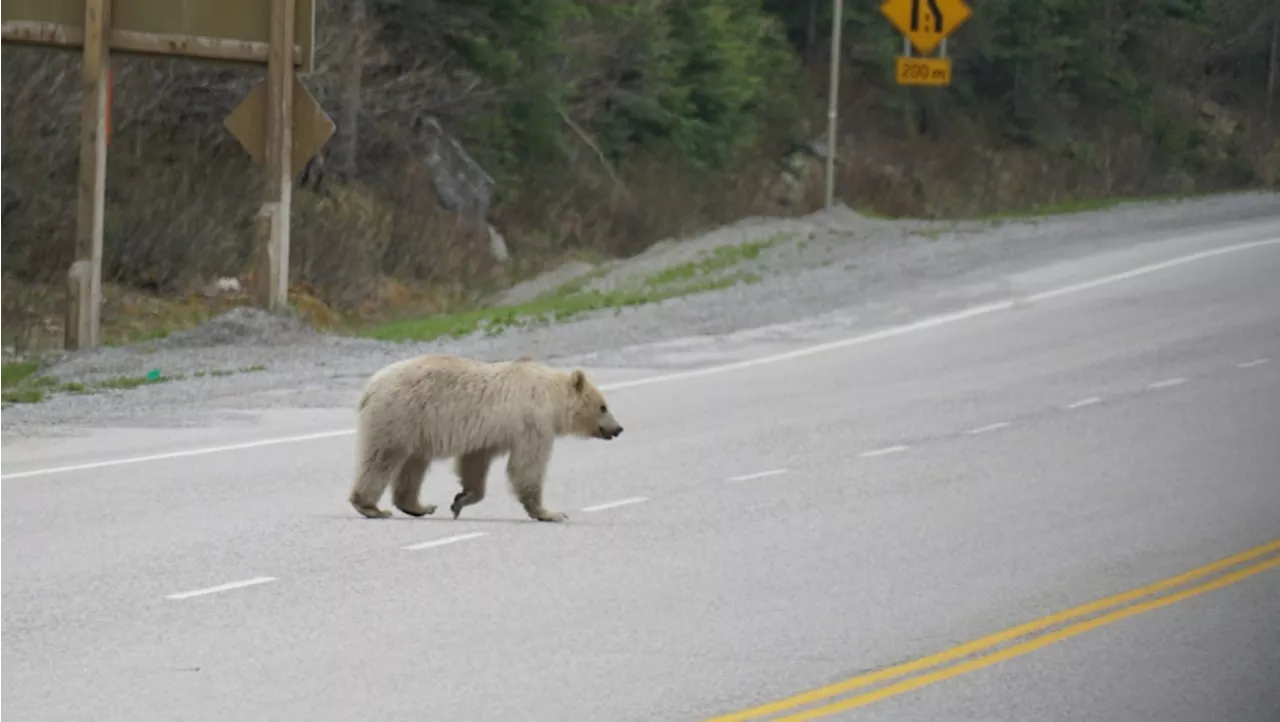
(789, 525)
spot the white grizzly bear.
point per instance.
(433, 407)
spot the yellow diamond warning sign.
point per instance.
(926, 22)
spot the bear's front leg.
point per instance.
(526, 468)
(472, 469)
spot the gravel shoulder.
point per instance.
(805, 278)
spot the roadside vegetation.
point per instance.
(717, 269)
(606, 127)
(24, 385)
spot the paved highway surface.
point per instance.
(898, 526)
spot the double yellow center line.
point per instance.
(1251, 562)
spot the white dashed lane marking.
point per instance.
(1084, 402)
(445, 540)
(758, 475)
(989, 427)
(616, 504)
(221, 588)
(883, 452)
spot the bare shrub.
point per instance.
(41, 114)
(337, 242)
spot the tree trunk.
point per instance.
(347, 140)
(811, 32)
(1271, 65)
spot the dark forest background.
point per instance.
(606, 126)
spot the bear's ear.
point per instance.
(578, 380)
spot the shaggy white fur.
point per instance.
(416, 411)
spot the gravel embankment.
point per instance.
(833, 270)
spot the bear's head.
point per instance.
(590, 416)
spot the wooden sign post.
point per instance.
(279, 34)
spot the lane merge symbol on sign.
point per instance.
(926, 23)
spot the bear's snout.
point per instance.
(608, 434)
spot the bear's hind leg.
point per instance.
(526, 470)
(376, 468)
(408, 486)
(472, 468)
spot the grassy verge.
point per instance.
(16, 373)
(425, 310)
(34, 314)
(23, 386)
(138, 317)
(1086, 205)
(575, 297)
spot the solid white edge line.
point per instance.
(989, 427)
(220, 588)
(445, 540)
(1084, 402)
(921, 325)
(1251, 364)
(882, 452)
(1166, 383)
(758, 475)
(180, 454)
(1152, 268)
(616, 504)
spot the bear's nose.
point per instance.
(618, 431)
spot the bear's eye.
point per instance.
(603, 409)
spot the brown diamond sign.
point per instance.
(312, 127)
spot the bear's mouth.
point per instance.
(608, 435)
